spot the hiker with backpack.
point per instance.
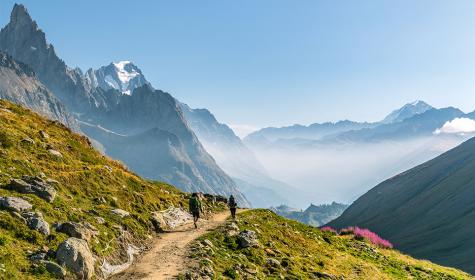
(195, 208)
(232, 206)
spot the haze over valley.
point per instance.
(150, 140)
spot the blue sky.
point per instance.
(272, 62)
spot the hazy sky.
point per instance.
(261, 63)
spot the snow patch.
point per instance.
(457, 126)
(111, 82)
(124, 75)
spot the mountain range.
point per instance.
(117, 106)
(314, 215)
(342, 160)
(162, 138)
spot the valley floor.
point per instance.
(168, 255)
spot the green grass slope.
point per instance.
(302, 252)
(89, 186)
(427, 211)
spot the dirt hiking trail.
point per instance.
(167, 256)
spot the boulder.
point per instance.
(272, 262)
(44, 135)
(120, 212)
(15, 204)
(231, 229)
(169, 219)
(33, 185)
(74, 253)
(247, 238)
(38, 256)
(55, 153)
(54, 269)
(78, 230)
(28, 141)
(208, 243)
(34, 220)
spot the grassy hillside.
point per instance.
(88, 187)
(291, 250)
(427, 211)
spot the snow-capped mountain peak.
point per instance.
(407, 111)
(123, 76)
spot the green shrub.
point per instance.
(5, 141)
(231, 273)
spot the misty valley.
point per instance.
(113, 172)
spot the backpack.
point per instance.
(232, 202)
(194, 205)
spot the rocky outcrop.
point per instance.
(247, 238)
(15, 204)
(78, 230)
(120, 212)
(170, 219)
(54, 269)
(231, 229)
(33, 185)
(55, 153)
(35, 220)
(19, 84)
(74, 253)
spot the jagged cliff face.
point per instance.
(19, 84)
(148, 132)
(117, 106)
(23, 40)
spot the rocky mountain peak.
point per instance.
(123, 76)
(20, 17)
(407, 111)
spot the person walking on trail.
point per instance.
(195, 208)
(232, 206)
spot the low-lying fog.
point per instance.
(343, 172)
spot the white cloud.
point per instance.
(457, 126)
(242, 130)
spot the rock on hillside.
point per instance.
(426, 211)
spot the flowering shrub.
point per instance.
(330, 229)
(366, 234)
(347, 231)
